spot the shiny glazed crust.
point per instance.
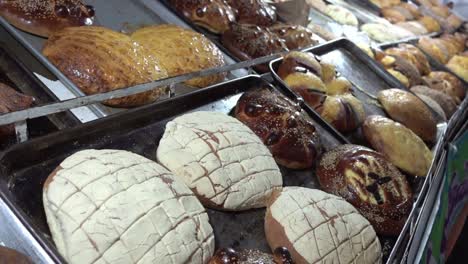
(282, 126)
(100, 60)
(255, 12)
(370, 183)
(182, 51)
(43, 17)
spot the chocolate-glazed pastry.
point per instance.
(255, 12)
(369, 182)
(248, 42)
(100, 60)
(43, 17)
(408, 109)
(10, 101)
(214, 15)
(446, 83)
(398, 144)
(251, 256)
(295, 36)
(282, 126)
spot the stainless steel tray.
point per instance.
(120, 15)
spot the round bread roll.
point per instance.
(370, 183)
(446, 102)
(214, 15)
(10, 256)
(182, 51)
(100, 60)
(251, 256)
(318, 227)
(113, 206)
(282, 125)
(398, 144)
(446, 83)
(221, 160)
(408, 109)
(459, 65)
(43, 17)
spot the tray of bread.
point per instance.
(86, 60)
(20, 89)
(437, 85)
(97, 193)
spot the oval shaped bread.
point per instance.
(182, 51)
(344, 112)
(446, 83)
(318, 227)
(445, 101)
(408, 109)
(43, 17)
(100, 60)
(113, 206)
(370, 183)
(432, 104)
(282, 125)
(220, 159)
(398, 144)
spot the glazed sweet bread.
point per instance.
(317, 83)
(282, 126)
(182, 51)
(11, 101)
(398, 144)
(43, 17)
(430, 24)
(370, 183)
(434, 47)
(446, 102)
(412, 55)
(459, 65)
(446, 83)
(100, 60)
(409, 110)
(214, 15)
(255, 12)
(280, 255)
(294, 36)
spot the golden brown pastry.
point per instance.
(398, 144)
(385, 3)
(402, 78)
(459, 65)
(344, 112)
(370, 183)
(214, 15)
(446, 102)
(100, 60)
(435, 48)
(412, 55)
(282, 126)
(446, 83)
(413, 9)
(280, 255)
(414, 27)
(409, 110)
(182, 51)
(43, 17)
(255, 12)
(457, 42)
(11, 101)
(432, 104)
(429, 23)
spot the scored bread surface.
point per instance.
(318, 227)
(220, 159)
(113, 206)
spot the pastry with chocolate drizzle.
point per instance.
(43, 17)
(255, 12)
(370, 183)
(282, 126)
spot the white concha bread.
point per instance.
(317, 227)
(113, 206)
(221, 160)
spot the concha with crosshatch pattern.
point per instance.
(317, 227)
(221, 160)
(113, 206)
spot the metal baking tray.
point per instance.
(122, 15)
(24, 168)
(16, 75)
(365, 73)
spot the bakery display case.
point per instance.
(232, 133)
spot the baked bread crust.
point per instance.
(100, 60)
(255, 12)
(182, 51)
(370, 183)
(43, 17)
(11, 101)
(398, 144)
(282, 126)
(446, 102)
